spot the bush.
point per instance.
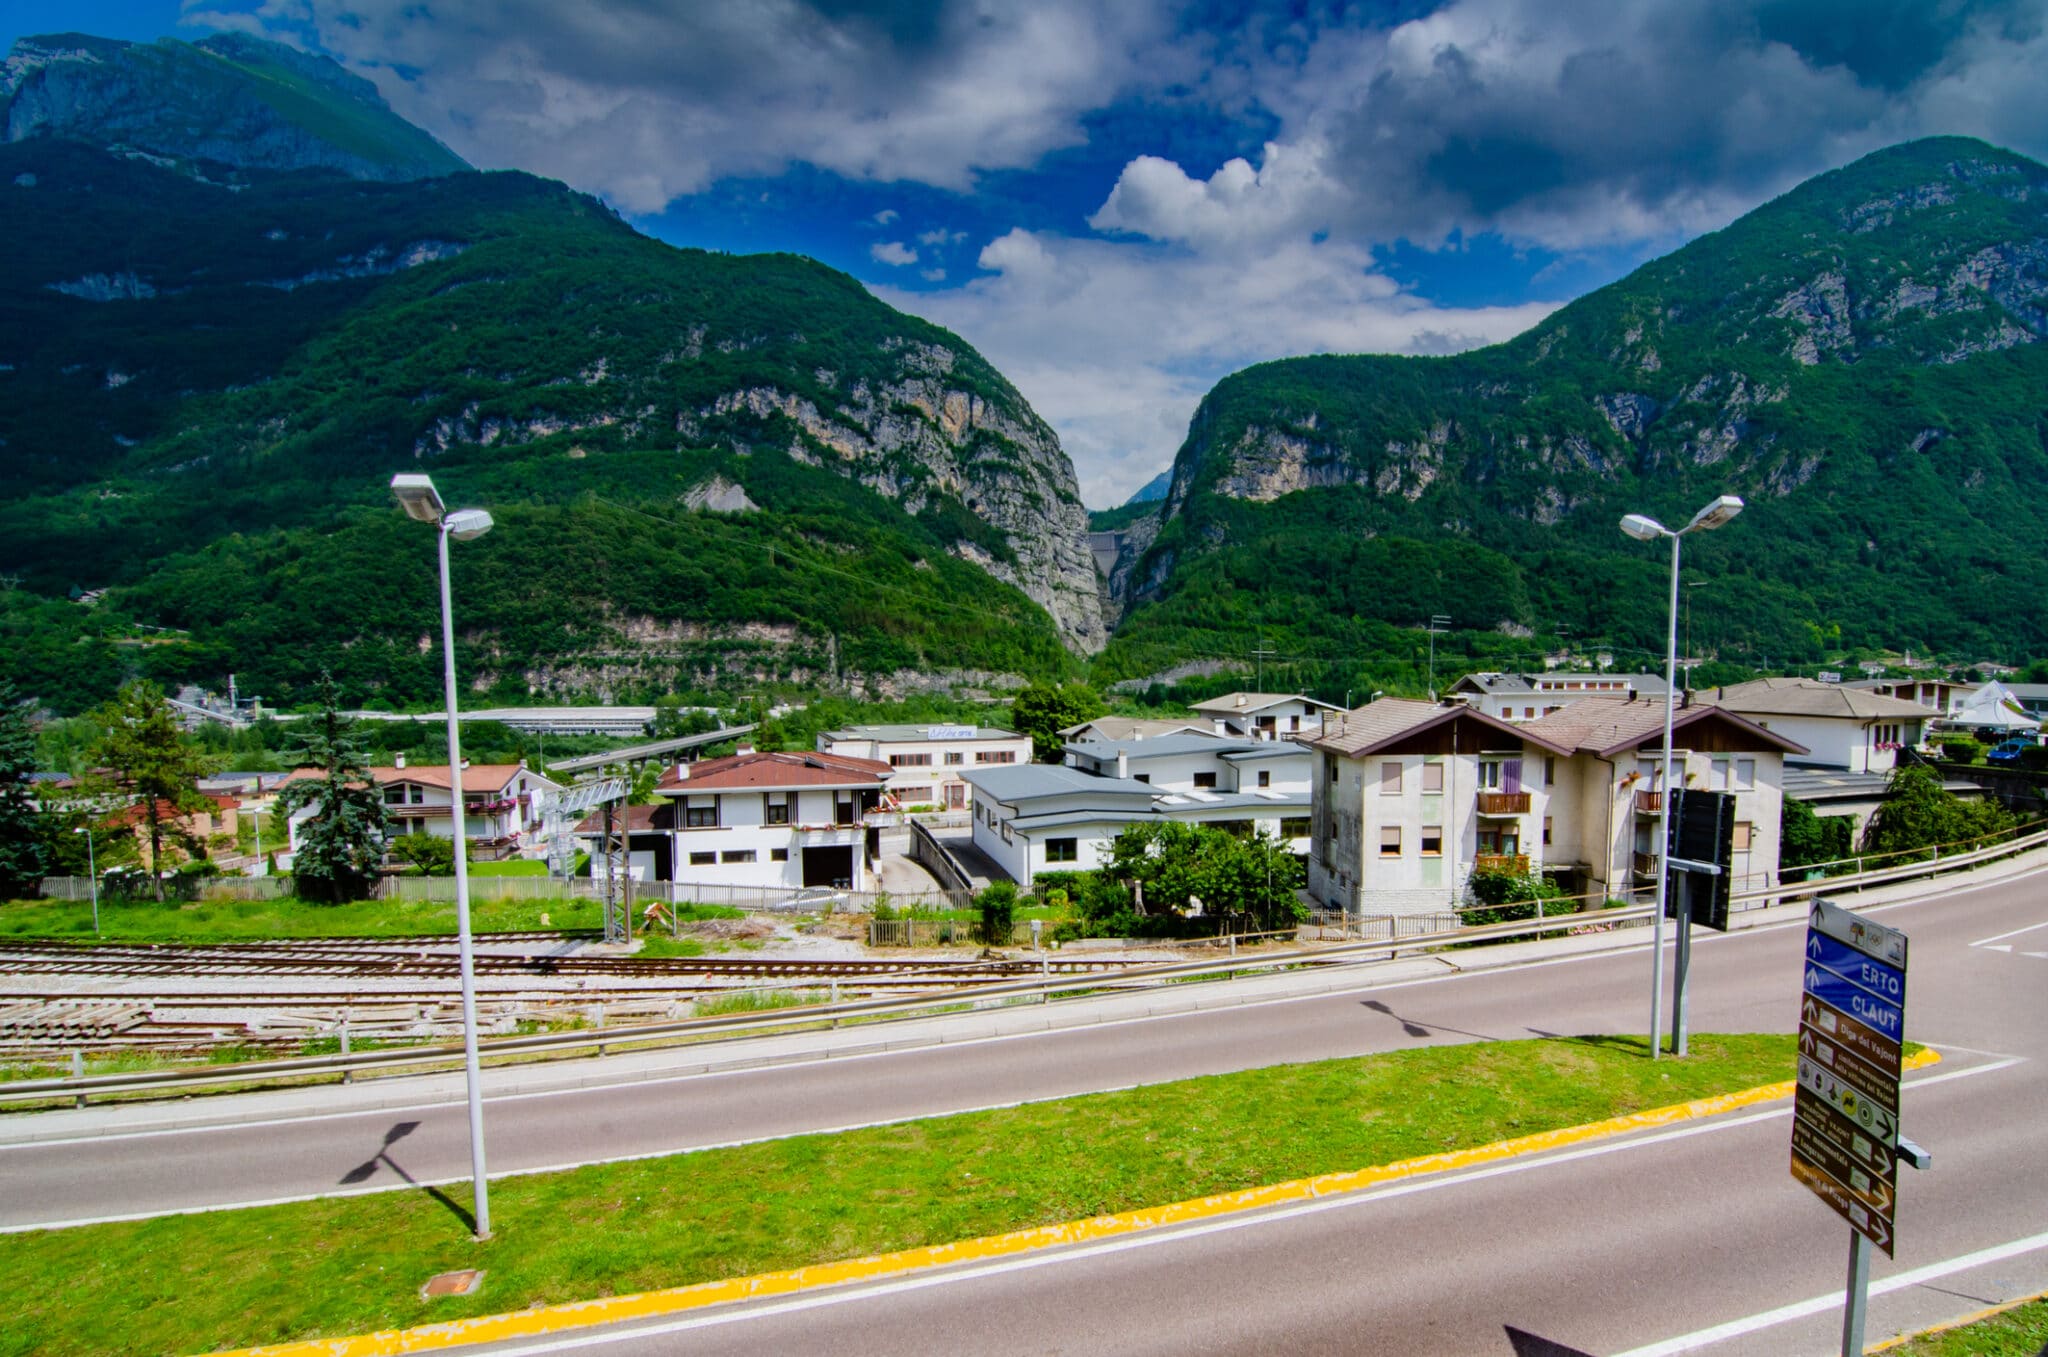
(1508, 897)
(1960, 748)
(430, 853)
(998, 905)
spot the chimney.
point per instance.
(743, 749)
(682, 771)
(1123, 763)
(401, 760)
(1240, 699)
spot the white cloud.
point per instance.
(886, 216)
(932, 275)
(893, 253)
(940, 236)
(1115, 342)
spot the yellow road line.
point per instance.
(675, 1300)
(1988, 1312)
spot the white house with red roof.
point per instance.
(501, 804)
(759, 819)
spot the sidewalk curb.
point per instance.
(1974, 1317)
(677, 1300)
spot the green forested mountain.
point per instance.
(1860, 360)
(708, 470)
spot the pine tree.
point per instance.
(24, 859)
(342, 842)
(152, 764)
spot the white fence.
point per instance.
(175, 888)
(810, 901)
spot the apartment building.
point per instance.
(927, 763)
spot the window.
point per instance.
(1528, 713)
(1743, 829)
(842, 812)
(1717, 775)
(1432, 841)
(1490, 774)
(1062, 850)
(1141, 777)
(1500, 842)
(778, 810)
(1432, 777)
(995, 756)
(1294, 827)
(1330, 769)
(910, 760)
(1205, 780)
(1265, 777)
(1006, 831)
(1390, 780)
(703, 859)
(1745, 776)
(1546, 831)
(394, 796)
(1390, 839)
(954, 758)
(703, 816)
(1549, 770)
(778, 855)
(419, 796)
(737, 855)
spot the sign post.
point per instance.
(1846, 1144)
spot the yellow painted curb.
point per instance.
(676, 1300)
(1978, 1317)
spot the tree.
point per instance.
(998, 905)
(1173, 864)
(1805, 839)
(1919, 814)
(342, 842)
(432, 854)
(24, 858)
(152, 764)
(1043, 710)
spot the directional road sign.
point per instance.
(1852, 1019)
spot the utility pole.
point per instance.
(1260, 653)
(1437, 623)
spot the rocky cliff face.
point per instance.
(1811, 356)
(229, 100)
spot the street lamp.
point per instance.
(1646, 529)
(92, 874)
(417, 496)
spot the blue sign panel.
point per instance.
(1859, 1003)
(1884, 982)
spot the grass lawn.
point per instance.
(187, 1284)
(510, 867)
(258, 920)
(2020, 1332)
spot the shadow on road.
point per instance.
(367, 1170)
(1416, 1029)
(1530, 1345)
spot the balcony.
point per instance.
(1649, 803)
(1644, 865)
(1503, 803)
(1514, 864)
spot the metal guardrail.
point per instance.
(78, 1088)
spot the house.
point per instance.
(1842, 726)
(214, 814)
(1939, 696)
(1410, 798)
(926, 762)
(1525, 697)
(1036, 817)
(1135, 728)
(501, 805)
(1265, 716)
(1606, 794)
(1856, 796)
(759, 819)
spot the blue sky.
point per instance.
(1121, 203)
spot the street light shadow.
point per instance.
(1531, 1345)
(367, 1170)
(1415, 1029)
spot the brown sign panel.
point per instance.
(1835, 1058)
(1859, 1038)
(1878, 1191)
(1872, 1226)
(1873, 1156)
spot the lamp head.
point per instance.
(1715, 514)
(416, 495)
(466, 525)
(1643, 528)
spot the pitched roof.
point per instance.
(906, 734)
(1011, 783)
(476, 777)
(1810, 697)
(1605, 726)
(1235, 704)
(1139, 728)
(1166, 746)
(1383, 721)
(639, 819)
(1554, 681)
(767, 771)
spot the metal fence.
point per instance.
(175, 888)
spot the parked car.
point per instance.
(2009, 752)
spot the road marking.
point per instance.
(1041, 1246)
(1784, 1314)
(2001, 937)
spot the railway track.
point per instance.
(178, 997)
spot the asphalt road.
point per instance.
(1597, 1251)
(1613, 1247)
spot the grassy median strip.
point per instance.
(208, 921)
(186, 1284)
(2019, 1332)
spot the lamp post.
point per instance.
(417, 496)
(1646, 529)
(92, 874)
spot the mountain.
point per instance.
(1154, 489)
(1859, 359)
(709, 472)
(226, 103)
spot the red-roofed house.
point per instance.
(760, 819)
(502, 804)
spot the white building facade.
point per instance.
(928, 764)
(501, 806)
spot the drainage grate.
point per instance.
(464, 1283)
